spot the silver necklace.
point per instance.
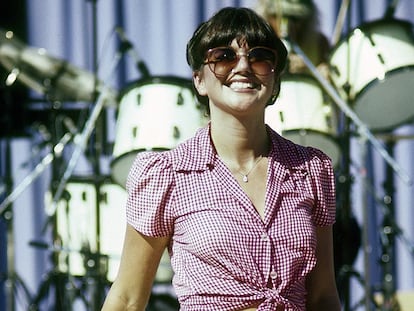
(245, 177)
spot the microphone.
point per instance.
(127, 46)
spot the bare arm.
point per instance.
(139, 262)
(321, 286)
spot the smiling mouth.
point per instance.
(237, 85)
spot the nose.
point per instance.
(242, 63)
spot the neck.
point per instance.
(240, 144)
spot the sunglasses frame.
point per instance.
(231, 64)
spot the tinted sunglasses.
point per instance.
(222, 60)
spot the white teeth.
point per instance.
(241, 85)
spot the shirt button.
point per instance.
(265, 237)
(273, 275)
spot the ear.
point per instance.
(276, 88)
(276, 91)
(199, 83)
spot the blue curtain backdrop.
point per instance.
(83, 32)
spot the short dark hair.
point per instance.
(226, 25)
(233, 23)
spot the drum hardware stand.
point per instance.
(344, 215)
(39, 168)
(347, 271)
(80, 141)
(363, 130)
(389, 13)
(96, 266)
(105, 95)
(389, 231)
(10, 278)
(387, 239)
(65, 287)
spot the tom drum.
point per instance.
(302, 114)
(154, 114)
(376, 62)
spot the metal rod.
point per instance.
(39, 168)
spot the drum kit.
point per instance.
(372, 71)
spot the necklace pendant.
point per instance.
(245, 179)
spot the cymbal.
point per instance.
(48, 75)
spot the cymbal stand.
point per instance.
(81, 142)
(106, 97)
(10, 279)
(388, 240)
(344, 213)
(94, 266)
(39, 168)
(64, 284)
(345, 179)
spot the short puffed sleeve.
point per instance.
(323, 184)
(150, 185)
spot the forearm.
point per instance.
(139, 262)
(118, 302)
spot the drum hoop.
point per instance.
(372, 83)
(377, 80)
(169, 80)
(369, 26)
(332, 138)
(96, 180)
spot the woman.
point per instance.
(246, 214)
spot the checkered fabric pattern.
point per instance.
(224, 255)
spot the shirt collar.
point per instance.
(198, 153)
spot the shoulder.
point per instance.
(192, 154)
(147, 165)
(295, 154)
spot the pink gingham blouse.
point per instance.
(223, 254)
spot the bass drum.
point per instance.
(376, 63)
(303, 115)
(154, 114)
